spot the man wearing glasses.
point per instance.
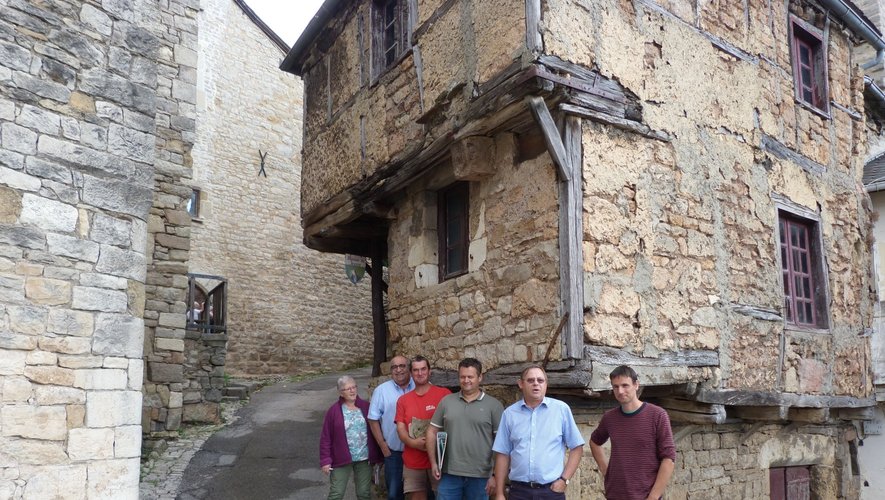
(382, 411)
(531, 442)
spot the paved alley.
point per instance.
(268, 450)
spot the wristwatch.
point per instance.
(564, 479)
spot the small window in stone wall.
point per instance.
(193, 204)
(390, 33)
(809, 65)
(790, 483)
(453, 230)
(206, 303)
(802, 272)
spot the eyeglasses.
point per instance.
(398, 367)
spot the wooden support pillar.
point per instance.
(379, 320)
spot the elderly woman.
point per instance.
(346, 445)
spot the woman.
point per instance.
(346, 444)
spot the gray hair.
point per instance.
(343, 380)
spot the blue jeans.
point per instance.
(393, 475)
(520, 492)
(452, 487)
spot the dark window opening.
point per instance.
(390, 32)
(193, 204)
(802, 272)
(453, 230)
(790, 483)
(809, 65)
(207, 303)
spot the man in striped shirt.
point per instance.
(642, 451)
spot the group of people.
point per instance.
(466, 445)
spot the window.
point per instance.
(802, 272)
(453, 230)
(390, 32)
(206, 303)
(193, 204)
(790, 483)
(809, 64)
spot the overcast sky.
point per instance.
(287, 18)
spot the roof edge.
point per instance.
(271, 34)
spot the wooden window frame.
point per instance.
(391, 33)
(792, 253)
(456, 196)
(790, 483)
(214, 302)
(813, 40)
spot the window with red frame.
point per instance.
(790, 483)
(809, 64)
(452, 227)
(804, 299)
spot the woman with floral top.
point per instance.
(346, 444)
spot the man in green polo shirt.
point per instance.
(470, 419)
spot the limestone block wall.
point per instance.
(506, 308)
(680, 238)
(291, 310)
(78, 104)
(168, 240)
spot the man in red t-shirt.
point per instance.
(413, 412)
(643, 455)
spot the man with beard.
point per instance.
(382, 412)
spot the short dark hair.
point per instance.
(417, 359)
(531, 367)
(471, 363)
(624, 371)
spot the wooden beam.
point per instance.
(688, 417)
(612, 356)
(621, 123)
(760, 413)
(571, 242)
(866, 413)
(738, 397)
(379, 323)
(551, 136)
(533, 41)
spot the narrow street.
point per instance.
(270, 451)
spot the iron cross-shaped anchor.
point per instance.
(261, 170)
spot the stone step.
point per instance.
(236, 391)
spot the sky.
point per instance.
(287, 18)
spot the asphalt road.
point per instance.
(272, 451)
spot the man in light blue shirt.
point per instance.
(382, 411)
(532, 440)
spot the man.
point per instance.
(470, 419)
(531, 443)
(382, 413)
(413, 412)
(642, 451)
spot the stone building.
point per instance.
(585, 183)
(100, 152)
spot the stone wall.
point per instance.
(78, 104)
(733, 460)
(169, 223)
(291, 310)
(682, 236)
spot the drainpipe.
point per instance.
(860, 26)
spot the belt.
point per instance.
(531, 484)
